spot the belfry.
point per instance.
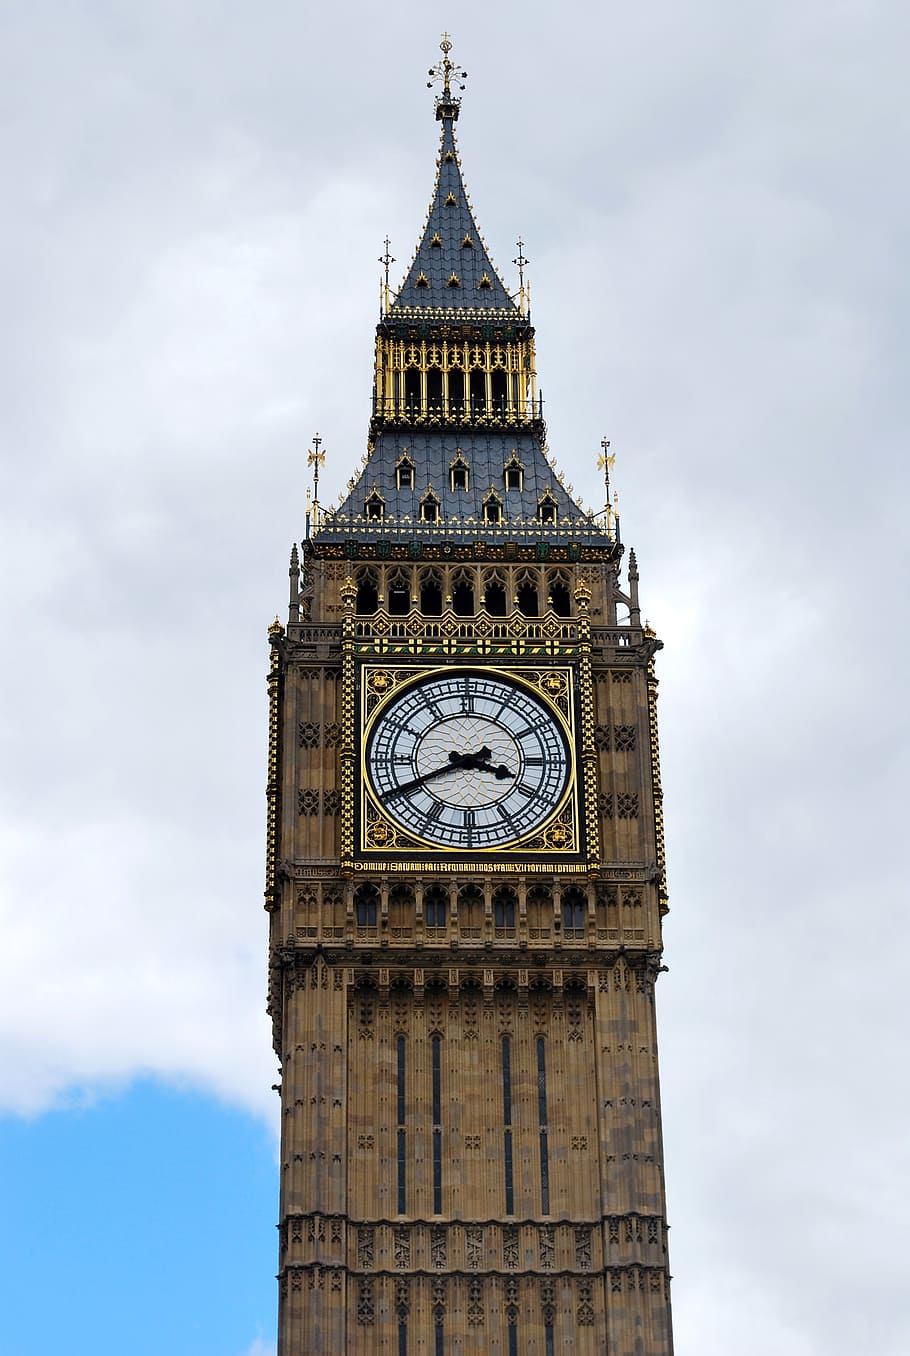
(465, 863)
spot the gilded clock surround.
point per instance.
(559, 830)
(471, 1150)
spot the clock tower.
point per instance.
(465, 874)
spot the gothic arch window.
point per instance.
(494, 595)
(513, 473)
(504, 907)
(399, 593)
(367, 592)
(540, 910)
(492, 507)
(463, 593)
(366, 905)
(560, 595)
(527, 594)
(470, 910)
(547, 508)
(431, 593)
(401, 906)
(429, 507)
(458, 471)
(574, 911)
(374, 508)
(435, 906)
(404, 472)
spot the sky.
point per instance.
(714, 200)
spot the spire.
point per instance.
(451, 269)
(457, 442)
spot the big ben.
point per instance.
(465, 867)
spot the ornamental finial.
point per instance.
(447, 104)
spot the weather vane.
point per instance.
(604, 462)
(446, 70)
(386, 259)
(315, 458)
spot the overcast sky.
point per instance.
(713, 198)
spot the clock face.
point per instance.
(463, 760)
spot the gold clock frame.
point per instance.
(379, 840)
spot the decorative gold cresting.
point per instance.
(446, 71)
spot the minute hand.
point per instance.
(456, 760)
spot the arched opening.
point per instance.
(366, 905)
(574, 911)
(499, 385)
(463, 595)
(504, 908)
(560, 597)
(435, 906)
(494, 596)
(399, 594)
(431, 594)
(527, 595)
(470, 910)
(478, 394)
(434, 390)
(367, 593)
(456, 391)
(412, 391)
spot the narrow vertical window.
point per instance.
(542, 1123)
(402, 1139)
(437, 1126)
(507, 1122)
(438, 1336)
(402, 1339)
(548, 1339)
(513, 1333)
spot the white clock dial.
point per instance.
(464, 760)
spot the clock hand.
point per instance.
(456, 760)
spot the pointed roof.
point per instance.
(451, 268)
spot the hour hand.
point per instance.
(480, 762)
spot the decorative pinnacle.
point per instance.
(386, 259)
(446, 71)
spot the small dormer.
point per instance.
(404, 472)
(436, 242)
(422, 280)
(459, 472)
(429, 506)
(451, 201)
(547, 508)
(454, 280)
(492, 507)
(467, 243)
(374, 508)
(513, 473)
(485, 281)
